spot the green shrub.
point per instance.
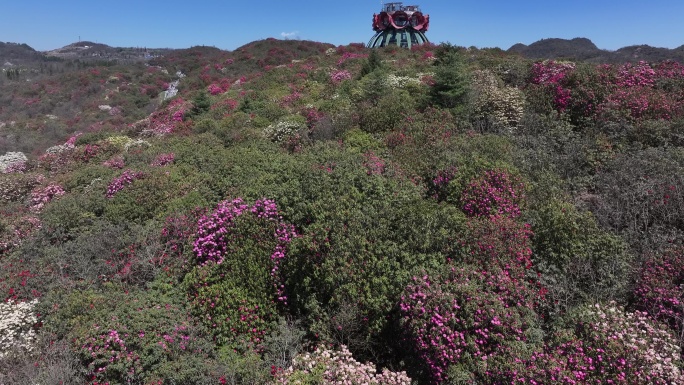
(579, 262)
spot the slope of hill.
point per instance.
(303, 213)
(18, 54)
(86, 50)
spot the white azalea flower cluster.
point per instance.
(12, 158)
(16, 326)
(502, 104)
(395, 81)
(650, 347)
(331, 367)
(283, 130)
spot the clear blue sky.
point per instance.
(50, 24)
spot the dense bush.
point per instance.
(133, 337)
(640, 196)
(467, 326)
(579, 263)
(603, 344)
(659, 291)
(237, 285)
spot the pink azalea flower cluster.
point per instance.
(440, 182)
(17, 231)
(16, 168)
(167, 120)
(109, 349)
(213, 234)
(163, 160)
(116, 162)
(350, 55)
(123, 180)
(374, 164)
(634, 88)
(659, 290)
(466, 317)
(635, 75)
(42, 196)
(550, 71)
(495, 193)
(553, 75)
(339, 76)
(215, 89)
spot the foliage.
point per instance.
(579, 263)
(450, 81)
(503, 105)
(406, 181)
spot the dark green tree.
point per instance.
(200, 104)
(451, 79)
(372, 63)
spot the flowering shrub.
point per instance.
(215, 89)
(116, 162)
(437, 187)
(285, 129)
(374, 164)
(15, 187)
(12, 159)
(119, 141)
(501, 104)
(494, 193)
(163, 160)
(42, 196)
(333, 367)
(607, 346)
(660, 290)
(167, 120)
(133, 337)
(396, 81)
(639, 91)
(496, 243)
(20, 228)
(553, 76)
(468, 325)
(17, 326)
(635, 75)
(339, 76)
(240, 249)
(119, 183)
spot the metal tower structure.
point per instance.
(400, 25)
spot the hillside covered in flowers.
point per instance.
(300, 213)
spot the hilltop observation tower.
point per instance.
(400, 25)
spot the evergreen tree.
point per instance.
(451, 77)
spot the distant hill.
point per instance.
(86, 50)
(15, 53)
(583, 49)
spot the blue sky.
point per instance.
(50, 24)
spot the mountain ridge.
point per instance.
(579, 48)
(584, 49)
